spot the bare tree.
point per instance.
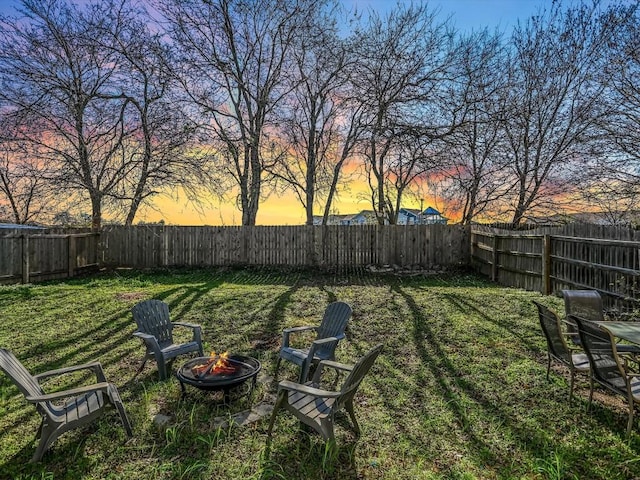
(235, 59)
(613, 183)
(474, 175)
(408, 161)
(26, 190)
(554, 102)
(154, 154)
(320, 121)
(404, 62)
(53, 75)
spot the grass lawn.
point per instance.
(459, 391)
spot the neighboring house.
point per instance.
(19, 226)
(406, 216)
(365, 217)
(413, 216)
(431, 215)
(409, 216)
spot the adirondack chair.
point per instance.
(609, 369)
(64, 410)
(329, 333)
(557, 347)
(317, 407)
(155, 329)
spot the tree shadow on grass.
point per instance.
(457, 387)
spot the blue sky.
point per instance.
(469, 15)
(466, 14)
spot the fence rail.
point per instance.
(549, 263)
(27, 258)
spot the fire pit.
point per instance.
(221, 372)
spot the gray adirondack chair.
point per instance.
(557, 347)
(329, 333)
(317, 407)
(607, 367)
(155, 329)
(64, 410)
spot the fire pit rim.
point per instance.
(219, 382)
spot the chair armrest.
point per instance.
(320, 342)
(336, 365)
(197, 330)
(188, 325)
(150, 341)
(145, 336)
(317, 375)
(102, 386)
(299, 329)
(95, 366)
(288, 331)
(306, 389)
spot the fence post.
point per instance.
(546, 264)
(71, 255)
(494, 265)
(25, 259)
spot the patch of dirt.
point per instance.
(265, 341)
(127, 296)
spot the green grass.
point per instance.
(458, 393)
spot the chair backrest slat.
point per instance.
(334, 322)
(357, 374)
(152, 317)
(552, 329)
(21, 377)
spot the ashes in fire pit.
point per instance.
(220, 372)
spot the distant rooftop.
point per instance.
(19, 226)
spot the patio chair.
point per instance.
(557, 347)
(607, 367)
(317, 407)
(155, 329)
(329, 333)
(64, 410)
(587, 304)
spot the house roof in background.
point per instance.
(18, 226)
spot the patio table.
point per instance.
(629, 331)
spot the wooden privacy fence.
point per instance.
(27, 258)
(324, 246)
(550, 263)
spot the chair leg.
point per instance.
(275, 372)
(48, 435)
(349, 408)
(590, 392)
(114, 396)
(631, 412)
(548, 365)
(573, 380)
(281, 398)
(326, 429)
(304, 371)
(141, 367)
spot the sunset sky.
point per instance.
(466, 15)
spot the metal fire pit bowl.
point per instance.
(246, 370)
